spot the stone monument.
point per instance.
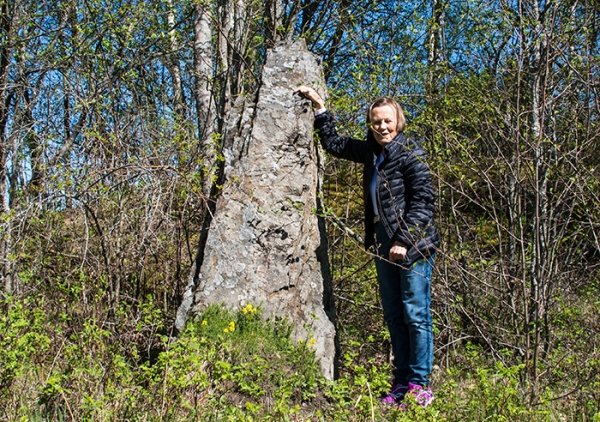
(266, 244)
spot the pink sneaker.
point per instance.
(423, 395)
(396, 394)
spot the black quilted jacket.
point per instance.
(405, 197)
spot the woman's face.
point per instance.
(384, 124)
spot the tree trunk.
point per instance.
(6, 19)
(173, 64)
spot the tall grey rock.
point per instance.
(266, 244)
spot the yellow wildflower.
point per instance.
(232, 326)
(312, 342)
(249, 309)
(204, 323)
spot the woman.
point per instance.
(399, 206)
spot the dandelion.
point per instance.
(231, 326)
(225, 330)
(204, 323)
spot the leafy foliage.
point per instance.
(224, 366)
(112, 122)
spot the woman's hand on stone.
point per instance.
(312, 95)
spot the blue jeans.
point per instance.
(406, 298)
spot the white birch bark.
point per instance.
(173, 62)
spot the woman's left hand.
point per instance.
(397, 251)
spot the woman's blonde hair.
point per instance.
(382, 101)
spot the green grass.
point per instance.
(228, 366)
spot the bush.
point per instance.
(228, 366)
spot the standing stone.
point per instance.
(266, 244)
